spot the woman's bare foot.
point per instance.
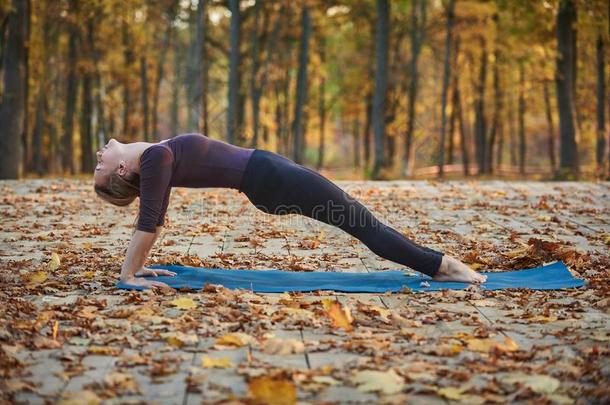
(454, 270)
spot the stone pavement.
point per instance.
(66, 335)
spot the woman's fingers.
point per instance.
(163, 272)
(158, 284)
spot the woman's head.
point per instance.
(114, 181)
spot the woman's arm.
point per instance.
(137, 253)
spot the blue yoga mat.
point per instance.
(550, 277)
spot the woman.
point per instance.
(273, 183)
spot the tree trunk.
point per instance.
(445, 90)
(550, 127)
(195, 68)
(381, 82)
(301, 96)
(71, 93)
(460, 118)
(12, 109)
(161, 58)
(255, 94)
(144, 94)
(497, 115)
(566, 56)
(356, 137)
(202, 33)
(49, 34)
(452, 117)
(233, 96)
(522, 144)
(601, 104)
(366, 135)
(175, 105)
(27, 153)
(86, 132)
(480, 128)
(512, 133)
(418, 30)
(128, 60)
(322, 109)
(101, 132)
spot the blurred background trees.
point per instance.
(357, 88)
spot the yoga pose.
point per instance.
(273, 183)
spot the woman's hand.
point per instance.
(142, 282)
(145, 271)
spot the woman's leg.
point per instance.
(279, 186)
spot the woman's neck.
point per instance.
(133, 151)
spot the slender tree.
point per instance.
(381, 82)
(418, 31)
(496, 123)
(144, 97)
(601, 103)
(550, 127)
(12, 108)
(522, 143)
(565, 79)
(71, 93)
(445, 89)
(160, 68)
(234, 57)
(480, 125)
(298, 127)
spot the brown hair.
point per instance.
(119, 190)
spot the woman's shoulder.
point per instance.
(157, 154)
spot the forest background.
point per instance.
(355, 88)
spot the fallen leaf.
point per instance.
(283, 346)
(184, 303)
(272, 391)
(104, 350)
(452, 393)
(237, 339)
(339, 314)
(54, 262)
(387, 382)
(123, 382)
(16, 385)
(487, 345)
(539, 383)
(215, 362)
(79, 398)
(37, 277)
(179, 339)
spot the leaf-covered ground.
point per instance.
(67, 335)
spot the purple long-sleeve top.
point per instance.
(189, 160)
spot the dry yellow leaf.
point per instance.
(184, 303)
(387, 382)
(215, 362)
(55, 330)
(283, 346)
(340, 315)
(539, 383)
(79, 398)
(123, 382)
(452, 393)
(486, 345)
(104, 350)
(179, 339)
(55, 262)
(237, 339)
(272, 391)
(37, 277)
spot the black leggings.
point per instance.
(277, 185)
